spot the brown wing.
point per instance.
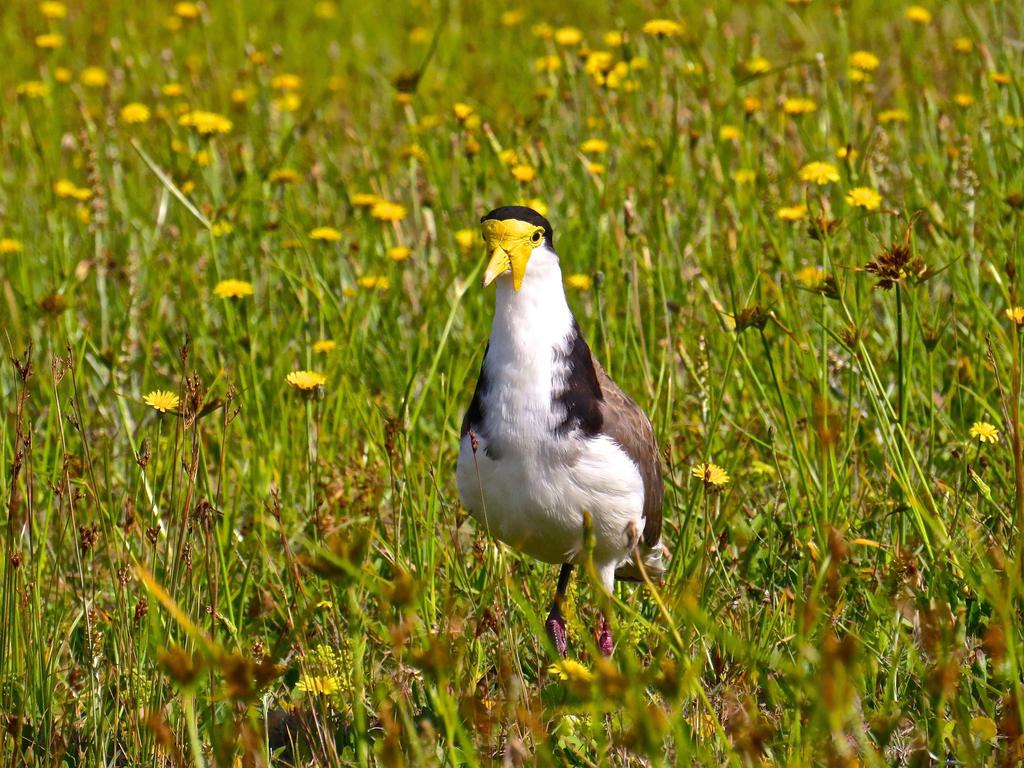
(627, 424)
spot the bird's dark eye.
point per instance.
(536, 237)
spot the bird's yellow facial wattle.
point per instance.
(509, 245)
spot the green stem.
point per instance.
(189, 704)
(900, 411)
(931, 409)
(309, 468)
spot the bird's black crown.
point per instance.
(522, 213)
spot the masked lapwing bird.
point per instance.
(548, 435)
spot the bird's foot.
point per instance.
(604, 637)
(555, 626)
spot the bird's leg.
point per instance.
(604, 636)
(555, 623)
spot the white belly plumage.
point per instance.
(533, 496)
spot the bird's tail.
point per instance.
(653, 561)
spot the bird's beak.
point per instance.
(499, 263)
(508, 249)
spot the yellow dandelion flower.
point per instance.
(751, 104)
(205, 123)
(365, 200)
(186, 10)
(963, 45)
(963, 100)
(757, 65)
(172, 90)
(639, 63)
(222, 228)
(306, 380)
(612, 38)
(864, 197)
(286, 82)
(508, 157)
(792, 212)
(285, 176)
(548, 63)
(984, 432)
(239, 96)
(385, 210)
(429, 121)
(325, 234)
(134, 113)
(819, 173)
(571, 670)
(524, 173)
(288, 102)
(69, 190)
(10, 245)
(94, 77)
(462, 111)
(325, 9)
(568, 36)
(543, 30)
(579, 282)
(918, 14)
(318, 685)
(595, 168)
(663, 28)
(323, 346)
(744, 176)
(1016, 315)
(62, 75)
(1000, 78)
(798, 106)
(811, 277)
(512, 18)
(537, 204)
(729, 133)
(594, 147)
(162, 400)
(599, 63)
(233, 289)
(615, 78)
(49, 41)
(847, 153)
(379, 282)
(53, 10)
(712, 475)
(465, 238)
(399, 253)
(33, 89)
(864, 60)
(893, 116)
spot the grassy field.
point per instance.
(791, 230)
